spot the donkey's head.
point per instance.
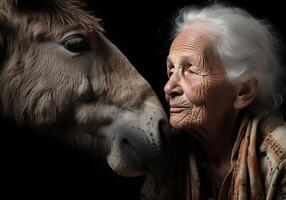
(61, 76)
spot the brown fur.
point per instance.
(40, 99)
(44, 86)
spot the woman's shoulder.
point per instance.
(272, 136)
(271, 152)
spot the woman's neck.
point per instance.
(218, 146)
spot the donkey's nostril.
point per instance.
(164, 131)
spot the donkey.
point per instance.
(61, 76)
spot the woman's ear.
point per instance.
(246, 93)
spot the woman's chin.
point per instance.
(178, 122)
(183, 122)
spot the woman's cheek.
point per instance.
(195, 92)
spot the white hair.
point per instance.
(246, 46)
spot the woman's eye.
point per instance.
(192, 70)
(170, 69)
(169, 73)
(76, 44)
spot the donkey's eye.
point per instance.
(76, 44)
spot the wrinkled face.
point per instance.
(198, 91)
(70, 81)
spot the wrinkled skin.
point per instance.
(61, 76)
(198, 91)
(201, 100)
(205, 108)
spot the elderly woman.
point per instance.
(224, 97)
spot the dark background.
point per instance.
(36, 167)
(141, 29)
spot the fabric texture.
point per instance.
(258, 167)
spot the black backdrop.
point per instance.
(35, 167)
(141, 29)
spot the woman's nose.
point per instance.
(173, 87)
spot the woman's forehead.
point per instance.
(193, 37)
